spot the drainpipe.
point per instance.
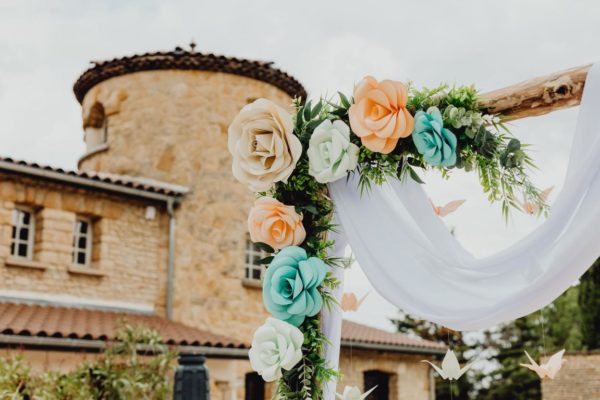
(171, 257)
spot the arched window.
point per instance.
(381, 380)
(255, 387)
(95, 126)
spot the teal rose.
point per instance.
(436, 143)
(290, 287)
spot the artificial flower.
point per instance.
(436, 143)
(263, 145)
(272, 222)
(275, 345)
(330, 153)
(291, 285)
(379, 115)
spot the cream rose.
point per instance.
(275, 345)
(263, 145)
(330, 153)
(272, 222)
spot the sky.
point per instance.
(328, 46)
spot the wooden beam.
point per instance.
(539, 96)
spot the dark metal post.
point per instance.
(191, 379)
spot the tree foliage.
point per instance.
(589, 301)
(121, 373)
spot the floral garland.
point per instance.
(387, 131)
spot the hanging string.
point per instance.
(449, 346)
(543, 333)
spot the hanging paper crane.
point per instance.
(353, 393)
(442, 211)
(530, 208)
(350, 302)
(450, 367)
(549, 369)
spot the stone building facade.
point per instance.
(579, 378)
(153, 223)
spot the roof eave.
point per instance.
(91, 345)
(88, 183)
(393, 348)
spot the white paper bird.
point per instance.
(450, 367)
(442, 211)
(530, 208)
(353, 393)
(350, 302)
(549, 369)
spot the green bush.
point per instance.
(137, 366)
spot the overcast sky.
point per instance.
(327, 45)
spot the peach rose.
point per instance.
(272, 222)
(379, 115)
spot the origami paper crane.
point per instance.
(549, 369)
(350, 302)
(442, 211)
(450, 367)
(353, 393)
(531, 208)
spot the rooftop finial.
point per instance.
(193, 46)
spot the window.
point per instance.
(82, 242)
(95, 126)
(255, 387)
(379, 379)
(254, 269)
(23, 231)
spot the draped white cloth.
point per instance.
(413, 261)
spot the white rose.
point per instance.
(275, 345)
(330, 153)
(263, 145)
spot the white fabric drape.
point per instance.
(416, 264)
(331, 319)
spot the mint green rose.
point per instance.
(290, 287)
(436, 143)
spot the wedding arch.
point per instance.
(344, 171)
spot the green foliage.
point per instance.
(589, 301)
(119, 374)
(14, 379)
(309, 197)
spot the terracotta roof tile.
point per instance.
(75, 323)
(139, 183)
(91, 324)
(180, 59)
(355, 333)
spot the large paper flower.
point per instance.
(275, 345)
(436, 143)
(263, 145)
(290, 287)
(330, 153)
(379, 115)
(272, 222)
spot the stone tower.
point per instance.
(164, 116)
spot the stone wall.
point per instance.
(172, 126)
(409, 378)
(129, 253)
(579, 379)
